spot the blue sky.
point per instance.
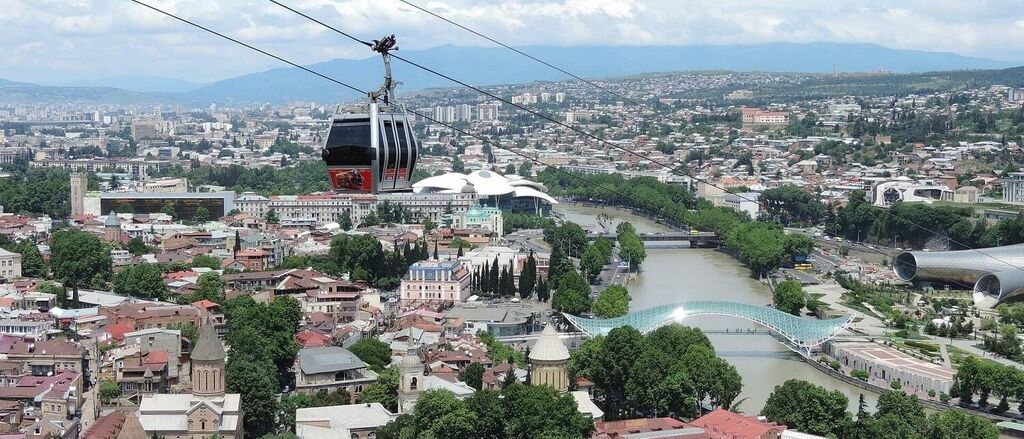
(64, 40)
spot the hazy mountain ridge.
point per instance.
(495, 65)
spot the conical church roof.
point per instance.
(208, 347)
(549, 347)
(132, 428)
(111, 220)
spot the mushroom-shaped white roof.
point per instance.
(488, 183)
(520, 181)
(549, 347)
(527, 191)
(452, 181)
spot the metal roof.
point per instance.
(328, 359)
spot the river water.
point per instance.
(685, 274)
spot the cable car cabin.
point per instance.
(370, 153)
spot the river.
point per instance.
(679, 275)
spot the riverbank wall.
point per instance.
(934, 405)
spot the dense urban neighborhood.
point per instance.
(702, 254)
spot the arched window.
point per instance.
(202, 425)
(412, 384)
(206, 380)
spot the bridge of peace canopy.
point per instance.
(800, 334)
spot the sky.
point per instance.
(56, 41)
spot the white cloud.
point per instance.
(94, 38)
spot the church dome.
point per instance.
(549, 347)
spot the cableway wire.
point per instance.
(527, 55)
(335, 81)
(592, 136)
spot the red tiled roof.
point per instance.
(722, 423)
(615, 429)
(106, 427)
(156, 357)
(312, 339)
(253, 253)
(118, 330)
(205, 304)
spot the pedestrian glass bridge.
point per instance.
(799, 332)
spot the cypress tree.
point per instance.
(494, 277)
(484, 281)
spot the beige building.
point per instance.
(547, 361)
(356, 421)
(205, 412)
(10, 265)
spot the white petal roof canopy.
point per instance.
(485, 183)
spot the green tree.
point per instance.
(383, 391)
(202, 215)
(56, 290)
(375, 353)
(789, 297)
(169, 210)
(271, 217)
(955, 424)
(188, 330)
(138, 247)
(592, 262)
(109, 390)
(526, 169)
(345, 221)
(612, 302)
(141, 280)
(473, 375)
(528, 277)
(713, 378)
(572, 295)
(207, 261)
(489, 407)
(210, 286)
(808, 408)
(77, 259)
(540, 411)
(257, 384)
(286, 410)
(32, 263)
(622, 347)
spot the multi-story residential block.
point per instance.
(164, 340)
(337, 298)
(47, 357)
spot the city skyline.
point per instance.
(91, 40)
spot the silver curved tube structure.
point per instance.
(962, 266)
(800, 332)
(995, 273)
(1000, 286)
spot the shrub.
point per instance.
(859, 374)
(943, 397)
(895, 385)
(931, 393)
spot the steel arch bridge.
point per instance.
(800, 333)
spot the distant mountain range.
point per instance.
(493, 66)
(143, 84)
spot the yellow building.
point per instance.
(547, 361)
